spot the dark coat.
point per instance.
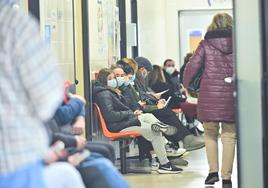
(116, 114)
(131, 97)
(165, 115)
(173, 80)
(182, 72)
(215, 101)
(162, 86)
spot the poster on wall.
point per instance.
(212, 3)
(100, 24)
(113, 33)
(194, 37)
(47, 34)
(104, 39)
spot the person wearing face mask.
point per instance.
(120, 118)
(158, 83)
(164, 114)
(172, 76)
(134, 103)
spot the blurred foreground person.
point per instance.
(30, 92)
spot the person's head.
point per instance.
(187, 58)
(156, 75)
(130, 67)
(144, 66)
(169, 66)
(221, 21)
(107, 78)
(132, 63)
(119, 75)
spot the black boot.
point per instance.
(212, 178)
(226, 184)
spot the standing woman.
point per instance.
(216, 101)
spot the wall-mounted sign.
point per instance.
(195, 36)
(218, 2)
(48, 33)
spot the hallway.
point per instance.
(192, 177)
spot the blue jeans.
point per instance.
(30, 176)
(108, 174)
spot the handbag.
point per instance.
(194, 85)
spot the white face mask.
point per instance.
(112, 83)
(170, 70)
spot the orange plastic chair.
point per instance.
(177, 110)
(121, 137)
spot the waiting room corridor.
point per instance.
(193, 175)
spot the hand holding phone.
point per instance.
(167, 101)
(77, 158)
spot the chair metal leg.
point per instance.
(123, 160)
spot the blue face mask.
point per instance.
(127, 83)
(133, 78)
(112, 83)
(120, 81)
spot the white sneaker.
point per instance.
(154, 164)
(171, 152)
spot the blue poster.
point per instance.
(48, 33)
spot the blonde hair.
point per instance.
(221, 21)
(132, 63)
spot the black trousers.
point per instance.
(107, 150)
(167, 116)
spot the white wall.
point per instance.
(249, 86)
(158, 25)
(152, 30)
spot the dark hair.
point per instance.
(125, 66)
(156, 75)
(103, 74)
(144, 62)
(187, 57)
(167, 60)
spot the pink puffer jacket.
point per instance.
(216, 101)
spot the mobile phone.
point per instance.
(167, 101)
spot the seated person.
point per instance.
(96, 171)
(158, 83)
(190, 142)
(171, 75)
(132, 102)
(69, 124)
(70, 115)
(120, 118)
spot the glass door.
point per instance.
(57, 28)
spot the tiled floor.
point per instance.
(192, 177)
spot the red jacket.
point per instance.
(216, 100)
